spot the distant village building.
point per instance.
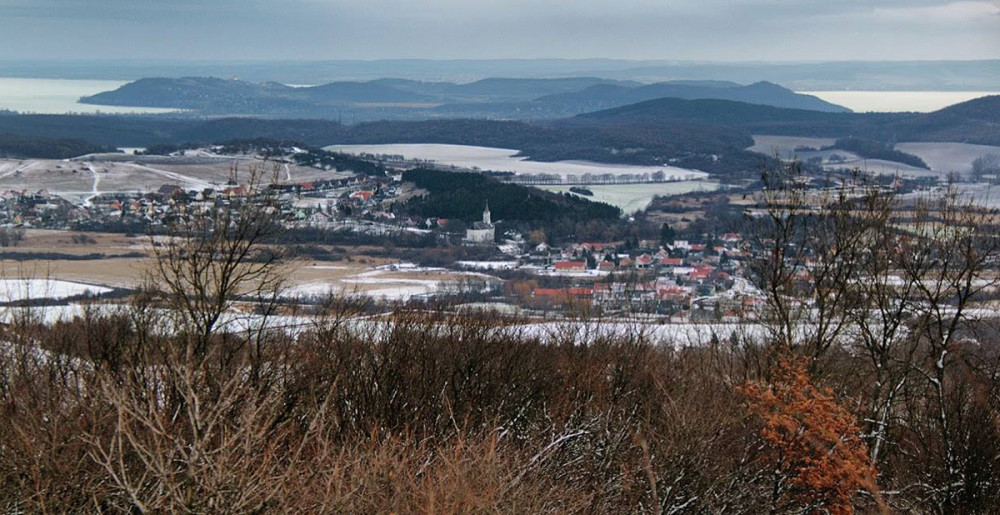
(571, 266)
(482, 232)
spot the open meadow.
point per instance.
(636, 197)
(506, 160)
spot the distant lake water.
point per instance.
(897, 101)
(59, 96)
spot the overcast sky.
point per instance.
(716, 30)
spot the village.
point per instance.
(678, 280)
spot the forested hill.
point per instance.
(18, 146)
(463, 195)
(706, 134)
(975, 121)
(721, 112)
(605, 96)
(985, 109)
(220, 96)
(507, 98)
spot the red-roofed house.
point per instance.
(700, 273)
(364, 195)
(571, 266)
(668, 261)
(644, 261)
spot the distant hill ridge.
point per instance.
(488, 98)
(711, 135)
(974, 121)
(762, 93)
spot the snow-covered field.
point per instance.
(948, 157)
(785, 145)
(880, 167)
(396, 282)
(985, 195)
(504, 160)
(487, 265)
(14, 290)
(636, 197)
(680, 335)
(941, 157)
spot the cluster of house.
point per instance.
(306, 202)
(681, 279)
(36, 209)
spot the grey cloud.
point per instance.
(675, 29)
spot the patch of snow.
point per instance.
(14, 290)
(506, 160)
(488, 265)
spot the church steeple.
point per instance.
(486, 214)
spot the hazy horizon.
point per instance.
(680, 30)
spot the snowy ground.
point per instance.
(679, 335)
(943, 158)
(503, 160)
(785, 145)
(488, 265)
(395, 282)
(881, 167)
(985, 195)
(948, 157)
(636, 197)
(14, 290)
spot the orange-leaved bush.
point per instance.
(820, 462)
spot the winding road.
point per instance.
(97, 182)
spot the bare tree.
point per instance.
(987, 164)
(196, 423)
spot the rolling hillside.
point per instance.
(408, 99)
(607, 96)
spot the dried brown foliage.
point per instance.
(818, 458)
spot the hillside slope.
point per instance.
(763, 93)
(407, 99)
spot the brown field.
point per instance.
(117, 269)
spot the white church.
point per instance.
(482, 233)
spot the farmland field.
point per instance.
(505, 160)
(785, 145)
(881, 167)
(51, 263)
(941, 157)
(948, 157)
(635, 197)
